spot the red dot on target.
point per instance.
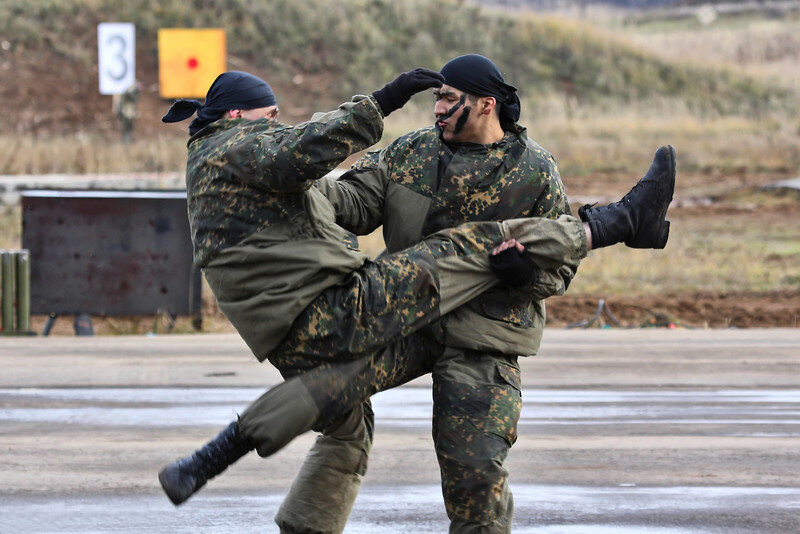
(192, 63)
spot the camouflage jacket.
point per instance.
(267, 241)
(419, 184)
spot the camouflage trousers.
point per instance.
(336, 335)
(476, 406)
(354, 340)
(322, 494)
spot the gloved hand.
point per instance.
(396, 93)
(512, 265)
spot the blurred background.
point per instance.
(603, 85)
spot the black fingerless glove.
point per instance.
(396, 93)
(514, 268)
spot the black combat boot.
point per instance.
(182, 478)
(639, 218)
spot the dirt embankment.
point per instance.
(690, 310)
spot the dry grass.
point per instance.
(89, 154)
(586, 140)
(10, 227)
(764, 48)
(607, 141)
(732, 253)
(592, 138)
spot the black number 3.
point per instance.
(120, 63)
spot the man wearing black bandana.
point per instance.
(475, 105)
(475, 164)
(233, 95)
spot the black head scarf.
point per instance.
(231, 90)
(478, 76)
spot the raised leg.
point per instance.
(639, 218)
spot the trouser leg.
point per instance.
(551, 243)
(323, 492)
(327, 391)
(477, 404)
(312, 400)
(336, 389)
(402, 292)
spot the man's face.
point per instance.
(456, 115)
(270, 112)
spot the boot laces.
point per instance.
(218, 454)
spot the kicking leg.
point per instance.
(307, 401)
(401, 293)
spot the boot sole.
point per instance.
(672, 165)
(662, 242)
(669, 190)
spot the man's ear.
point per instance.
(487, 105)
(233, 113)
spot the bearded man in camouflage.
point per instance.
(475, 164)
(335, 323)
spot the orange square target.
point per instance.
(189, 60)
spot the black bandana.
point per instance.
(478, 76)
(231, 90)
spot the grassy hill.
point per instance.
(594, 96)
(345, 46)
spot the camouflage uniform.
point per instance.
(299, 293)
(337, 383)
(419, 185)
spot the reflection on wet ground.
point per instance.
(538, 509)
(547, 509)
(735, 412)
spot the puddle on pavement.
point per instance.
(410, 407)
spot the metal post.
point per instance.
(23, 268)
(8, 292)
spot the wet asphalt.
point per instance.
(606, 444)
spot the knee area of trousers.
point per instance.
(476, 421)
(357, 425)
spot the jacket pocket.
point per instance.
(514, 313)
(505, 404)
(510, 375)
